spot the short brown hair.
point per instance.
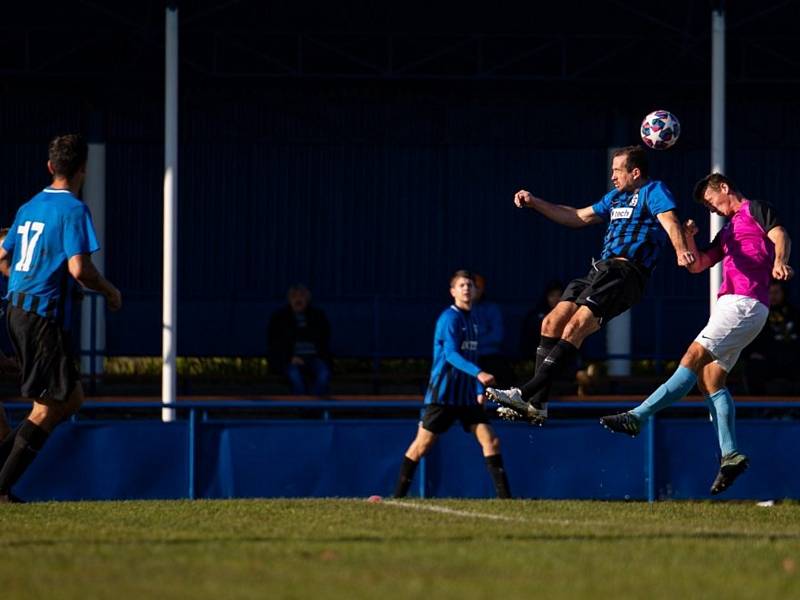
(462, 273)
(68, 154)
(713, 181)
(635, 157)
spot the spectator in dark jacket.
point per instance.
(299, 344)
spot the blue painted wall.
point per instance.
(356, 458)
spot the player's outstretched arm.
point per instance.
(703, 260)
(677, 236)
(783, 248)
(83, 270)
(559, 213)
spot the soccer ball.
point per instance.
(660, 130)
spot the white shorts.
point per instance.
(735, 322)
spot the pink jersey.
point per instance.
(747, 253)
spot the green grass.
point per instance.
(353, 549)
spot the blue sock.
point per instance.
(712, 412)
(725, 420)
(668, 393)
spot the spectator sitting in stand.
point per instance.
(490, 335)
(299, 344)
(773, 356)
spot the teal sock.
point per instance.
(725, 420)
(668, 393)
(712, 412)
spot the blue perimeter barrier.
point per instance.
(209, 454)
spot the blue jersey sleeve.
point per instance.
(79, 234)
(660, 199)
(602, 208)
(449, 335)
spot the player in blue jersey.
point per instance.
(46, 255)
(641, 215)
(456, 389)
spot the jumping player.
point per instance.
(641, 214)
(47, 251)
(455, 389)
(753, 248)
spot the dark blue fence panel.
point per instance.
(113, 460)
(565, 459)
(687, 459)
(292, 458)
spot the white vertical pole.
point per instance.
(618, 330)
(717, 129)
(94, 195)
(170, 307)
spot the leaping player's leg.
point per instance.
(672, 390)
(711, 381)
(552, 328)
(533, 406)
(581, 325)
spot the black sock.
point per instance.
(562, 354)
(407, 470)
(7, 444)
(27, 442)
(546, 345)
(495, 466)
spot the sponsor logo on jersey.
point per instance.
(467, 345)
(621, 213)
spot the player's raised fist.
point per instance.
(523, 198)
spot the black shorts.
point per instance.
(44, 350)
(610, 288)
(438, 418)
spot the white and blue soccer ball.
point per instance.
(660, 130)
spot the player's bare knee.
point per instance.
(553, 324)
(695, 357)
(580, 326)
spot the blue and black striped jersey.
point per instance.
(455, 354)
(48, 230)
(633, 231)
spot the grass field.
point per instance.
(435, 548)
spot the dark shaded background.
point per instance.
(369, 151)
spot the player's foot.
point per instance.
(731, 466)
(622, 423)
(514, 408)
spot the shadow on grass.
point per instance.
(567, 537)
